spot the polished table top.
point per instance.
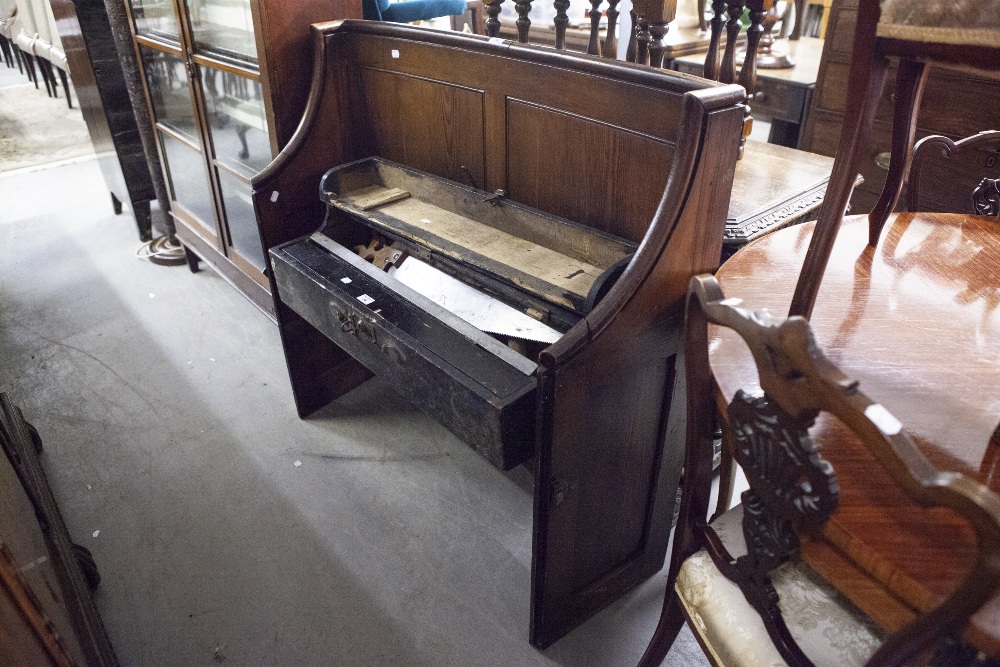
(916, 321)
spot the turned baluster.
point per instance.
(657, 31)
(630, 51)
(610, 49)
(642, 37)
(654, 15)
(523, 23)
(712, 57)
(734, 10)
(748, 72)
(560, 21)
(594, 46)
(493, 17)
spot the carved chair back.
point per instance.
(974, 162)
(793, 489)
(918, 33)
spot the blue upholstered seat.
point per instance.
(411, 10)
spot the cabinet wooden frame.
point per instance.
(281, 69)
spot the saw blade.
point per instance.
(478, 309)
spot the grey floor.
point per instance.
(226, 529)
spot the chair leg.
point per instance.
(5, 51)
(47, 78)
(866, 78)
(910, 79)
(671, 621)
(65, 84)
(17, 57)
(29, 64)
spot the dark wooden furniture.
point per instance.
(914, 321)
(775, 188)
(226, 85)
(102, 90)
(956, 104)
(47, 616)
(545, 128)
(796, 494)
(963, 164)
(916, 35)
(782, 96)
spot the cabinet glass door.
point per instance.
(155, 18)
(241, 147)
(223, 28)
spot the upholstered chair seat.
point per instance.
(962, 22)
(825, 625)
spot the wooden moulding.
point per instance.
(552, 258)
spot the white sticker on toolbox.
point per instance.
(345, 280)
(395, 53)
(365, 299)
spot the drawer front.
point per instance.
(780, 100)
(482, 399)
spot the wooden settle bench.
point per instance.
(617, 173)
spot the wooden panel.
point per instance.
(285, 45)
(564, 84)
(584, 170)
(440, 133)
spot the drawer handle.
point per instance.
(367, 330)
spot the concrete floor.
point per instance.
(226, 529)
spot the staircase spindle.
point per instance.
(523, 23)
(610, 49)
(560, 21)
(642, 38)
(630, 50)
(493, 17)
(734, 11)
(594, 46)
(712, 57)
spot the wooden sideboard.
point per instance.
(956, 104)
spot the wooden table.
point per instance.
(917, 321)
(782, 95)
(774, 186)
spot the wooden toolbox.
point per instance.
(470, 380)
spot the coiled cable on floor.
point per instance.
(161, 251)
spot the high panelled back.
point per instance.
(548, 137)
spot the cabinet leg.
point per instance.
(143, 219)
(192, 259)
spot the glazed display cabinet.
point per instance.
(226, 83)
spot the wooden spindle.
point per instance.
(523, 23)
(493, 17)
(712, 57)
(630, 51)
(748, 72)
(610, 49)
(560, 21)
(594, 46)
(701, 15)
(657, 31)
(642, 37)
(734, 10)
